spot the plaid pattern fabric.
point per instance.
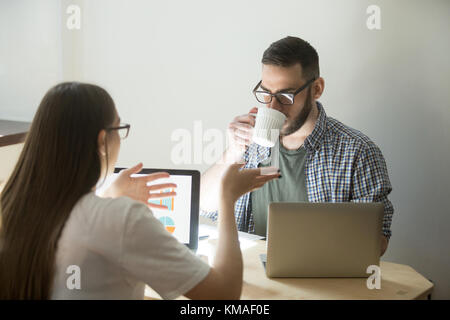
(342, 165)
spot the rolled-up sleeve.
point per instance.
(371, 182)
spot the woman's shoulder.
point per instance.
(93, 201)
(92, 210)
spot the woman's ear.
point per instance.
(101, 142)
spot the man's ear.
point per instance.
(318, 87)
(101, 142)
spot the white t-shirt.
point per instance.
(119, 246)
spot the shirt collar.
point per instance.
(313, 141)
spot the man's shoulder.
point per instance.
(340, 134)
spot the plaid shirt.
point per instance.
(342, 165)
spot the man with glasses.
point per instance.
(320, 158)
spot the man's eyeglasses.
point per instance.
(123, 129)
(285, 98)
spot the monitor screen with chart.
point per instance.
(181, 216)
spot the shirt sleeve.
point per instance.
(371, 183)
(152, 255)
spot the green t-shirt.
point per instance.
(290, 188)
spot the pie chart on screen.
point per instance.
(168, 223)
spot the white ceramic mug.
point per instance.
(268, 124)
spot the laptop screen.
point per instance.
(181, 216)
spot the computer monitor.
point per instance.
(182, 213)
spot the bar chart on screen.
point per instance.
(174, 212)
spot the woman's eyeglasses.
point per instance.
(123, 129)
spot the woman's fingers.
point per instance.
(252, 172)
(256, 180)
(261, 173)
(153, 176)
(162, 195)
(238, 165)
(260, 184)
(260, 177)
(155, 187)
(267, 176)
(157, 206)
(260, 181)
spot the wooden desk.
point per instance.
(13, 132)
(398, 281)
(12, 136)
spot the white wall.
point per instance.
(30, 55)
(170, 63)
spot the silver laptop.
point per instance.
(323, 239)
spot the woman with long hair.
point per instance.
(51, 218)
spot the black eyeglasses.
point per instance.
(123, 129)
(285, 98)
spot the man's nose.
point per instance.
(274, 104)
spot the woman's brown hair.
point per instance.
(59, 164)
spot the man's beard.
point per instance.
(300, 120)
